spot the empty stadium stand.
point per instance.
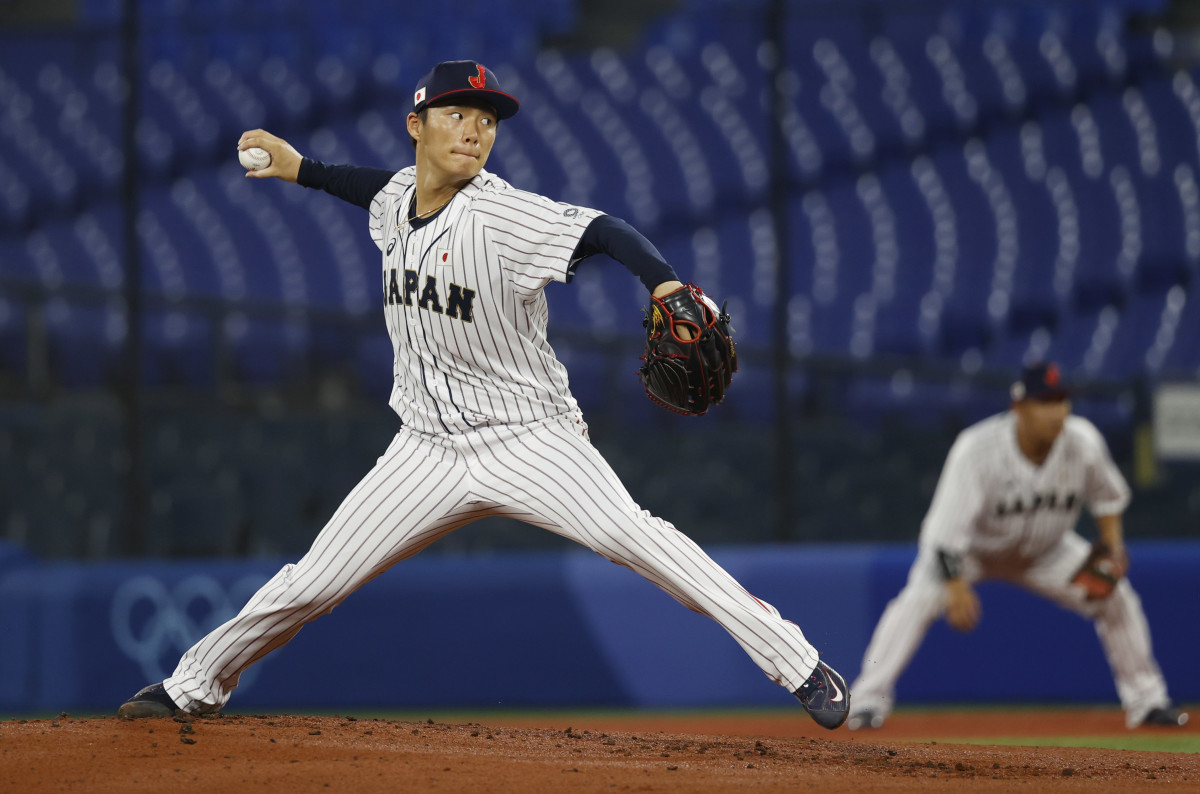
(969, 185)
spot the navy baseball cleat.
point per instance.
(1169, 716)
(825, 696)
(151, 701)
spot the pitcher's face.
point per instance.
(454, 141)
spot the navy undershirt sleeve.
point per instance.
(615, 237)
(353, 183)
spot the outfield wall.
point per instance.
(555, 629)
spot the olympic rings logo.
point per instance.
(154, 624)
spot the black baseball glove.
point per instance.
(687, 375)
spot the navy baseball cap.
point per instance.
(452, 80)
(1042, 382)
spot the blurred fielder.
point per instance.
(1005, 507)
(489, 426)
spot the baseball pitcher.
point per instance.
(489, 425)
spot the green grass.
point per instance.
(1155, 742)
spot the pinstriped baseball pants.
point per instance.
(424, 486)
(1119, 620)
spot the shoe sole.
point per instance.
(829, 718)
(830, 724)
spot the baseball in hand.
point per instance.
(254, 158)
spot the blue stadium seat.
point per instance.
(1134, 336)
(662, 98)
(550, 169)
(871, 76)
(226, 95)
(919, 49)
(721, 116)
(1014, 347)
(681, 184)
(39, 163)
(1077, 333)
(353, 258)
(1045, 61)
(1097, 279)
(172, 262)
(1095, 47)
(995, 70)
(1171, 102)
(58, 257)
(196, 218)
(1119, 136)
(180, 124)
(673, 137)
(230, 199)
(817, 320)
(1033, 300)
(745, 274)
(898, 323)
(827, 89)
(616, 164)
(965, 321)
(81, 125)
(1182, 358)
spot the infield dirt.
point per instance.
(598, 754)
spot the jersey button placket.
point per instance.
(410, 311)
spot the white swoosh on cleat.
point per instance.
(837, 699)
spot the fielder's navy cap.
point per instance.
(1041, 381)
(451, 80)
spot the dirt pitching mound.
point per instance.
(300, 754)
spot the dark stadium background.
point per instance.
(902, 201)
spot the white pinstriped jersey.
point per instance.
(991, 499)
(464, 303)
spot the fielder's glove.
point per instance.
(1100, 572)
(687, 375)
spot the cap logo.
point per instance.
(479, 80)
(1052, 376)
(419, 97)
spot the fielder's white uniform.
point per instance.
(489, 428)
(1011, 519)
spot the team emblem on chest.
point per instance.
(1032, 503)
(405, 288)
